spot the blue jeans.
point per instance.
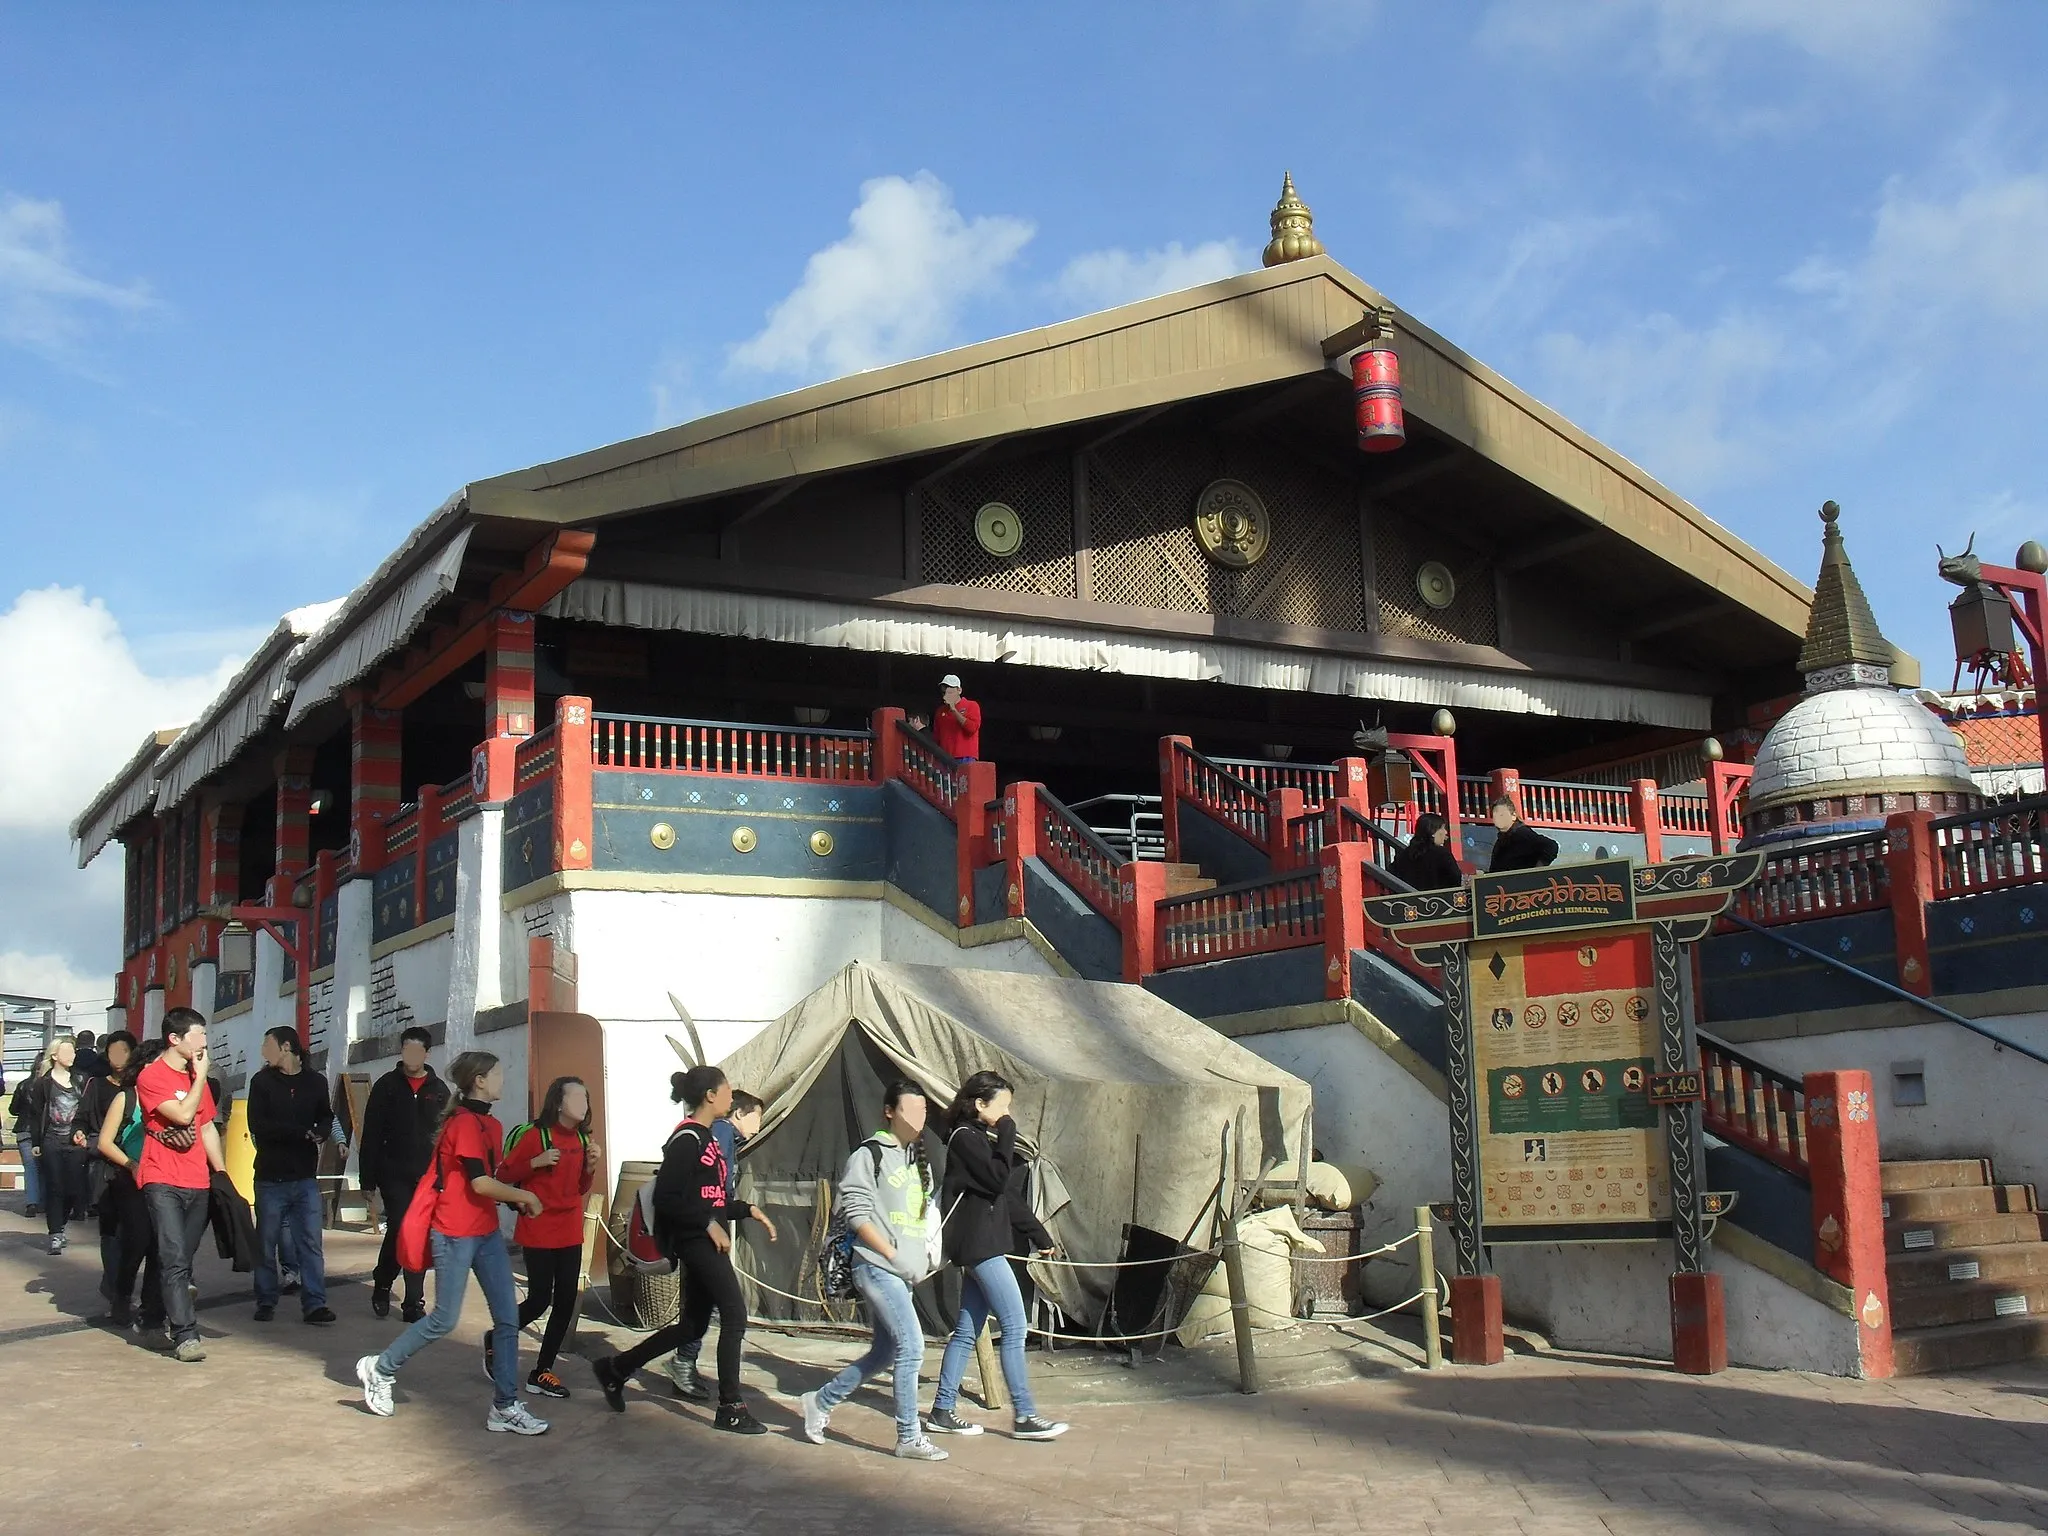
(989, 1286)
(31, 1171)
(455, 1259)
(288, 1232)
(899, 1343)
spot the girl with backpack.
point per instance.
(453, 1216)
(692, 1210)
(124, 1213)
(553, 1157)
(982, 1221)
(890, 1212)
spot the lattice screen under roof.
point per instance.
(1401, 546)
(1040, 488)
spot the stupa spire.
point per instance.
(1294, 227)
(1844, 648)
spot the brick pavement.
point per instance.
(1545, 1443)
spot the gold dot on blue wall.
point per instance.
(662, 835)
(744, 840)
(821, 842)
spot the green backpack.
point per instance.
(512, 1138)
(129, 1137)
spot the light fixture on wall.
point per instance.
(811, 714)
(237, 950)
(1277, 751)
(1043, 732)
(317, 805)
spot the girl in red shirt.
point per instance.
(464, 1192)
(554, 1158)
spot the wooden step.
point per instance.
(1187, 885)
(1930, 1306)
(1952, 1173)
(1184, 871)
(1948, 1204)
(1995, 1264)
(1966, 1346)
(1963, 1232)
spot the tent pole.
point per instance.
(1233, 1271)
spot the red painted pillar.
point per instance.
(1848, 1203)
(1283, 806)
(1343, 912)
(429, 829)
(1724, 789)
(1020, 841)
(1169, 793)
(294, 820)
(1142, 886)
(1352, 780)
(1699, 1324)
(572, 783)
(1910, 862)
(1475, 1320)
(508, 674)
(220, 854)
(1504, 782)
(373, 782)
(970, 827)
(888, 744)
(1642, 810)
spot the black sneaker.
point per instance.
(265, 1314)
(120, 1317)
(944, 1421)
(540, 1383)
(380, 1301)
(412, 1311)
(734, 1419)
(1035, 1428)
(320, 1317)
(610, 1382)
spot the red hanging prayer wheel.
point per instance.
(1376, 393)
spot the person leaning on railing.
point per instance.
(1427, 862)
(1518, 845)
(956, 724)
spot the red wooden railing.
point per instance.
(929, 770)
(1218, 792)
(1280, 912)
(1079, 857)
(1686, 815)
(651, 744)
(1586, 807)
(1990, 848)
(1753, 1107)
(533, 758)
(1824, 879)
(402, 832)
(1317, 782)
(458, 799)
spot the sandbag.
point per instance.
(1340, 1186)
(1271, 1239)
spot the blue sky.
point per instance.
(275, 280)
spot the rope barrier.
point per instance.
(1354, 1258)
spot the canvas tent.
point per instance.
(1125, 1097)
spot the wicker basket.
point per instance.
(646, 1301)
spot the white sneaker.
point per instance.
(815, 1418)
(376, 1387)
(920, 1449)
(513, 1419)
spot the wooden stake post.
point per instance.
(1500, 937)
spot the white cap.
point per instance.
(950, 681)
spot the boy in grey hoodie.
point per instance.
(890, 1206)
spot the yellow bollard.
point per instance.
(239, 1151)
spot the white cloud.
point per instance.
(1679, 401)
(78, 703)
(674, 391)
(46, 975)
(1541, 257)
(1105, 279)
(46, 298)
(1983, 250)
(893, 288)
(1696, 37)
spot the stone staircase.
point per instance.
(1186, 879)
(1967, 1261)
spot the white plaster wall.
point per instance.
(1616, 1297)
(1370, 1111)
(420, 974)
(351, 966)
(906, 941)
(475, 974)
(1981, 1101)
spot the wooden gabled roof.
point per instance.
(1256, 328)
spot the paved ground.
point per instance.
(100, 1431)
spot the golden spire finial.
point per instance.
(1294, 228)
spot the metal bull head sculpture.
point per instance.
(1963, 570)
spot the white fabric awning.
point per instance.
(242, 708)
(127, 795)
(871, 627)
(375, 633)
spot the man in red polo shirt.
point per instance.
(957, 725)
(180, 1154)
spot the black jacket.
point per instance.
(690, 1188)
(1426, 866)
(234, 1228)
(398, 1131)
(984, 1220)
(289, 1117)
(1521, 847)
(32, 1104)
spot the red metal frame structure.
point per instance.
(291, 929)
(2028, 593)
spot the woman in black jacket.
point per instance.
(691, 1217)
(1427, 863)
(56, 1118)
(982, 1222)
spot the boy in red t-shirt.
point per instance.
(464, 1239)
(956, 724)
(554, 1158)
(180, 1154)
